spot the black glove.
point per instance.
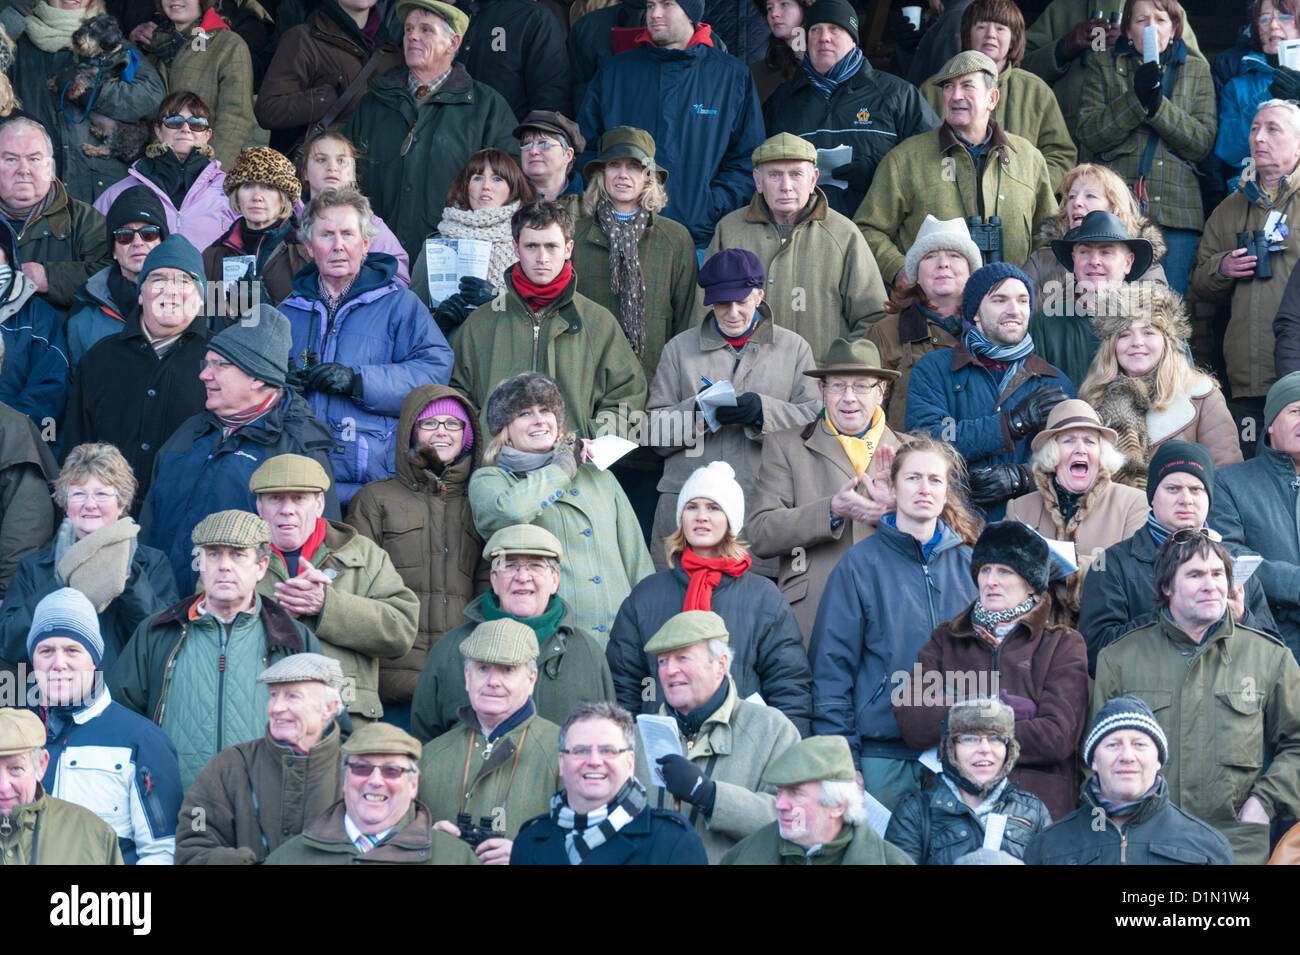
(684, 780)
(1146, 85)
(857, 174)
(1030, 415)
(334, 379)
(295, 380)
(748, 410)
(451, 312)
(1001, 482)
(477, 291)
(1286, 83)
(908, 37)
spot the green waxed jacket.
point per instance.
(368, 614)
(70, 240)
(413, 841)
(408, 186)
(766, 847)
(1228, 706)
(506, 782)
(69, 834)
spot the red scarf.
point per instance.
(705, 573)
(538, 296)
(308, 548)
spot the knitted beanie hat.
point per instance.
(258, 344)
(717, 482)
(66, 613)
(175, 252)
(936, 234)
(137, 204)
(449, 407)
(1185, 456)
(983, 280)
(1125, 712)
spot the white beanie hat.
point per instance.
(717, 482)
(937, 234)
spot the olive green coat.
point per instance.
(71, 241)
(822, 282)
(1227, 706)
(740, 739)
(369, 613)
(70, 835)
(766, 846)
(507, 782)
(413, 841)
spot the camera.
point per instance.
(987, 236)
(474, 835)
(1256, 243)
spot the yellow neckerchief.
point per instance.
(860, 450)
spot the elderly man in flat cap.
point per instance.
(571, 666)
(253, 797)
(729, 742)
(342, 585)
(68, 834)
(378, 820)
(192, 668)
(820, 816)
(795, 233)
(496, 769)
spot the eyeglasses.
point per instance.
(216, 364)
(973, 739)
(535, 568)
(182, 282)
(389, 771)
(196, 124)
(125, 236)
(542, 145)
(447, 424)
(106, 496)
(859, 388)
(1268, 18)
(604, 752)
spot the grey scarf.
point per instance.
(626, 278)
(522, 462)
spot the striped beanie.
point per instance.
(66, 613)
(1125, 713)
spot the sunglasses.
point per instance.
(125, 236)
(196, 123)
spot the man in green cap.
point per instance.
(729, 742)
(822, 486)
(192, 668)
(820, 816)
(68, 834)
(378, 820)
(343, 586)
(496, 769)
(525, 561)
(795, 233)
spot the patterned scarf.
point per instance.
(949, 323)
(1156, 529)
(1067, 501)
(1121, 812)
(586, 832)
(827, 83)
(231, 423)
(626, 279)
(486, 225)
(1012, 355)
(991, 619)
(705, 574)
(860, 448)
(22, 218)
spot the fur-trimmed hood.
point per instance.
(1055, 228)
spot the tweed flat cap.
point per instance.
(523, 539)
(21, 731)
(813, 760)
(382, 739)
(289, 472)
(232, 528)
(687, 628)
(304, 667)
(968, 61)
(456, 18)
(506, 642)
(784, 146)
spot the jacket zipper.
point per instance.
(537, 331)
(167, 672)
(221, 684)
(929, 594)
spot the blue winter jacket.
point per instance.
(34, 377)
(382, 331)
(701, 107)
(879, 607)
(1238, 101)
(955, 398)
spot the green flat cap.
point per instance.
(289, 472)
(21, 731)
(382, 739)
(785, 146)
(302, 667)
(687, 628)
(456, 18)
(507, 642)
(523, 539)
(967, 61)
(857, 357)
(232, 528)
(815, 759)
(624, 142)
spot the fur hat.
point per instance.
(1157, 305)
(717, 482)
(936, 234)
(984, 715)
(263, 164)
(1014, 544)
(523, 391)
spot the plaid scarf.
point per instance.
(626, 279)
(586, 832)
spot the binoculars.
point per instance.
(987, 236)
(1256, 243)
(472, 834)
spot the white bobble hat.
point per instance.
(717, 482)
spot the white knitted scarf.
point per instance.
(488, 225)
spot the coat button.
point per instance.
(596, 579)
(574, 492)
(144, 446)
(600, 627)
(587, 532)
(151, 393)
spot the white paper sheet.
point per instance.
(930, 760)
(828, 159)
(1244, 567)
(1288, 54)
(607, 449)
(449, 260)
(1150, 45)
(720, 394)
(878, 815)
(994, 827)
(659, 737)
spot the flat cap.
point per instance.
(302, 667)
(289, 472)
(967, 61)
(523, 539)
(814, 759)
(456, 18)
(21, 731)
(507, 642)
(549, 121)
(382, 739)
(687, 628)
(784, 146)
(232, 528)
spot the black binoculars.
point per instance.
(1256, 243)
(472, 834)
(987, 237)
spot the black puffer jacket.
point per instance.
(1160, 834)
(517, 48)
(937, 828)
(767, 654)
